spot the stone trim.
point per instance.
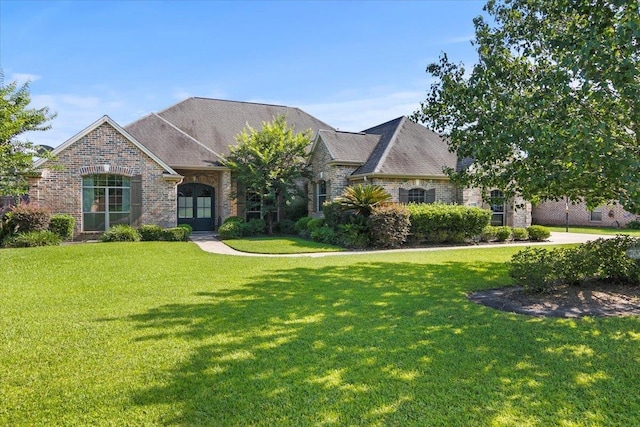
(106, 168)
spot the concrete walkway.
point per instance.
(210, 243)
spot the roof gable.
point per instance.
(347, 147)
(119, 129)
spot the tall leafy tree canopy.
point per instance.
(552, 108)
(16, 155)
(268, 162)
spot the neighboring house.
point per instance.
(167, 168)
(555, 213)
(407, 160)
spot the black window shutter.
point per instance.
(136, 200)
(430, 196)
(403, 195)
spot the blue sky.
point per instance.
(352, 64)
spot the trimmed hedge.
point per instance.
(390, 225)
(62, 225)
(438, 222)
(538, 233)
(538, 270)
(230, 230)
(26, 217)
(120, 233)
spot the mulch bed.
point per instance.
(589, 299)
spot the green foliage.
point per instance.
(440, 223)
(62, 225)
(301, 225)
(314, 223)
(363, 198)
(335, 214)
(233, 219)
(324, 234)
(520, 233)
(26, 217)
(633, 225)
(175, 234)
(285, 226)
(356, 234)
(16, 157)
(296, 205)
(253, 227)
(489, 234)
(503, 233)
(268, 162)
(538, 233)
(120, 233)
(187, 227)
(230, 230)
(553, 98)
(150, 232)
(30, 239)
(533, 269)
(537, 269)
(389, 225)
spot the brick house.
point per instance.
(167, 168)
(407, 160)
(555, 213)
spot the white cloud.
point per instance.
(22, 78)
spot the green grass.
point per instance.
(280, 245)
(596, 230)
(163, 333)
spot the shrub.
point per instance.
(538, 233)
(324, 234)
(285, 226)
(187, 227)
(533, 269)
(230, 230)
(363, 198)
(233, 219)
(355, 234)
(296, 207)
(26, 217)
(175, 234)
(520, 233)
(121, 233)
(253, 227)
(301, 225)
(503, 233)
(314, 224)
(604, 259)
(32, 239)
(335, 214)
(440, 223)
(633, 225)
(489, 234)
(62, 225)
(389, 225)
(150, 232)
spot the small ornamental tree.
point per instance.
(363, 198)
(16, 156)
(268, 162)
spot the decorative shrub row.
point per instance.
(27, 225)
(235, 227)
(438, 222)
(539, 270)
(126, 233)
(535, 233)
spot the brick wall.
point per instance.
(103, 150)
(554, 213)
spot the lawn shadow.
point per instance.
(375, 343)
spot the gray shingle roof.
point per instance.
(348, 147)
(406, 148)
(196, 123)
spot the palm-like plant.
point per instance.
(363, 198)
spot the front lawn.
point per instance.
(279, 245)
(595, 230)
(163, 333)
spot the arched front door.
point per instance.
(196, 206)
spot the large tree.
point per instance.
(268, 162)
(17, 155)
(552, 107)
